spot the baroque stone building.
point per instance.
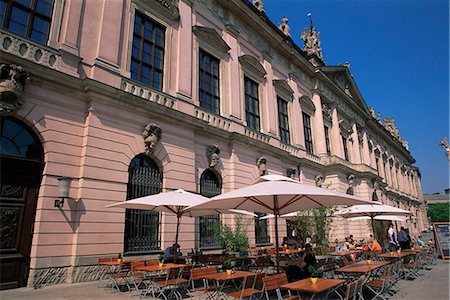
(133, 97)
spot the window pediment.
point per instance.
(252, 67)
(211, 41)
(167, 8)
(283, 89)
(307, 105)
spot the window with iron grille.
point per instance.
(251, 104)
(210, 186)
(327, 140)
(142, 226)
(308, 133)
(344, 143)
(208, 90)
(283, 121)
(261, 233)
(290, 225)
(28, 18)
(147, 54)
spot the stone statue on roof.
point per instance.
(444, 144)
(284, 26)
(388, 123)
(259, 5)
(311, 40)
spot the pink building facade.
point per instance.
(132, 97)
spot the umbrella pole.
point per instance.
(276, 212)
(176, 235)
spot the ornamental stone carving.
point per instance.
(291, 172)
(311, 41)
(152, 134)
(212, 153)
(444, 144)
(13, 79)
(351, 183)
(388, 123)
(319, 180)
(259, 5)
(284, 27)
(326, 111)
(261, 163)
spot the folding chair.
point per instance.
(273, 283)
(196, 276)
(353, 290)
(249, 287)
(121, 278)
(381, 286)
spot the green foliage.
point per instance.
(233, 239)
(439, 212)
(314, 223)
(312, 271)
(227, 265)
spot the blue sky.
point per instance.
(398, 52)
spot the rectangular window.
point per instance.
(308, 133)
(261, 233)
(344, 143)
(27, 18)
(208, 90)
(283, 121)
(327, 140)
(377, 162)
(147, 52)
(251, 104)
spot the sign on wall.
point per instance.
(442, 235)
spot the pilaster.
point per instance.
(318, 129)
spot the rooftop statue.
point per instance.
(388, 123)
(259, 5)
(312, 42)
(284, 26)
(444, 144)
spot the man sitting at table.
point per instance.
(374, 245)
(173, 254)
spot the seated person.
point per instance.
(374, 245)
(420, 242)
(173, 252)
(350, 243)
(308, 260)
(291, 242)
(341, 247)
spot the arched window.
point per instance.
(210, 186)
(141, 226)
(17, 140)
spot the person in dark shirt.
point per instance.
(171, 253)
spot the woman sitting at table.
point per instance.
(374, 245)
(173, 254)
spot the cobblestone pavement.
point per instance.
(433, 285)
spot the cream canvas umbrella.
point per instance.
(174, 202)
(371, 211)
(278, 195)
(381, 218)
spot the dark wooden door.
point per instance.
(18, 197)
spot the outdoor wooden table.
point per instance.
(156, 268)
(415, 249)
(346, 252)
(362, 267)
(222, 278)
(394, 255)
(111, 263)
(306, 286)
(287, 252)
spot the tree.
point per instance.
(439, 212)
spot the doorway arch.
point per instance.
(21, 161)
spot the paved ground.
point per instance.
(434, 285)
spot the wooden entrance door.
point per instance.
(18, 197)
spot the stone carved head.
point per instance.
(212, 153)
(261, 163)
(13, 79)
(351, 183)
(319, 180)
(152, 134)
(291, 172)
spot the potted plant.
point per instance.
(119, 258)
(369, 258)
(161, 260)
(233, 239)
(313, 273)
(227, 266)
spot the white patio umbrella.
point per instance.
(285, 216)
(381, 218)
(174, 202)
(371, 211)
(278, 195)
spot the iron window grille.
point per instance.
(261, 232)
(142, 226)
(209, 187)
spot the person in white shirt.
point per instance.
(392, 236)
